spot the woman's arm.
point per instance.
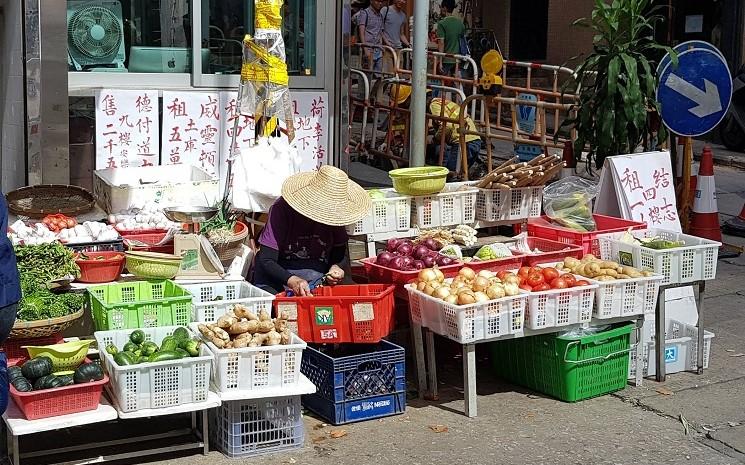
(268, 259)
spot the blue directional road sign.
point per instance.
(695, 95)
(687, 45)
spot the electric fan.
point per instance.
(95, 35)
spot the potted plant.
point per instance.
(617, 81)
(225, 232)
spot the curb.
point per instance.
(732, 162)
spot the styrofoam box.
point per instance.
(681, 348)
(205, 309)
(560, 307)
(509, 204)
(157, 384)
(118, 189)
(388, 214)
(696, 260)
(456, 204)
(625, 297)
(255, 367)
(468, 323)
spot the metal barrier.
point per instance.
(362, 101)
(365, 53)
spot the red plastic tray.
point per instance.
(151, 238)
(135, 232)
(384, 275)
(101, 271)
(14, 351)
(551, 251)
(59, 401)
(361, 313)
(588, 241)
(508, 263)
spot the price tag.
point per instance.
(363, 311)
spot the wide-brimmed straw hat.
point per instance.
(327, 196)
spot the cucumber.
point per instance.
(124, 358)
(183, 353)
(168, 344)
(164, 356)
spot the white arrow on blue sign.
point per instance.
(695, 95)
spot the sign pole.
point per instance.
(685, 201)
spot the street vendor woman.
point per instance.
(10, 295)
(304, 240)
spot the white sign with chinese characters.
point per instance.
(127, 131)
(310, 110)
(191, 130)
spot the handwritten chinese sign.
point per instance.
(127, 131)
(310, 111)
(191, 130)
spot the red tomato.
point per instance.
(523, 271)
(535, 269)
(534, 279)
(522, 279)
(581, 282)
(542, 287)
(569, 278)
(501, 274)
(526, 287)
(549, 274)
(559, 283)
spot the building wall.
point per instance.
(564, 40)
(12, 144)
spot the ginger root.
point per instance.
(241, 311)
(212, 336)
(271, 338)
(226, 321)
(264, 316)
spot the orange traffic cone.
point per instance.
(705, 217)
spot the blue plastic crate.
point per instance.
(355, 382)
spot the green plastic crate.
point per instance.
(139, 304)
(567, 368)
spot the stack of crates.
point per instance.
(358, 375)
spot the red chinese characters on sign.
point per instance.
(127, 133)
(192, 120)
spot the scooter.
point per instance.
(732, 127)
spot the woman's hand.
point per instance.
(335, 275)
(298, 286)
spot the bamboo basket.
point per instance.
(43, 328)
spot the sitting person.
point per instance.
(452, 136)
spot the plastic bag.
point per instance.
(568, 202)
(582, 332)
(260, 170)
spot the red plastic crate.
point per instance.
(542, 227)
(59, 401)
(135, 232)
(361, 313)
(151, 238)
(14, 350)
(508, 263)
(384, 275)
(551, 251)
(101, 271)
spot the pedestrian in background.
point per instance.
(450, 29)
(370, 25)
(10, 295)
(395, 23)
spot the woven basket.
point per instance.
(229, 250)
(43, 328)
(48, 199)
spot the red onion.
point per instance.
(405, 249)
(392, 245)
(418, 264)
(397, 263)
(431, 244)
(383, 258)
(443, 260)
(429, 261)
(420, 251)
(408, 260)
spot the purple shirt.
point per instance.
(301, 242)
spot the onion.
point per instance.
(429, 261)
(434, 283)
(383, 258)
(407, 242)
(444, 260)
(451, 299)
(431, 244)
(440, 276)
(466, 299)
(408, 261)
(511, 279)
(420, 251)
(392, 245)
(480, 283)
(511, 289)
(495, 292)
(429, 290)
(481, 297)
(418, 265)
(421, 285)
(467, 273)
(427, 274)
(441, 292)
(405, 249)
(486, 274)
(465, 289)
(397, 263)
(457, 284)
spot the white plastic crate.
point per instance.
(255, 367)
(450, 207)
(468, 323)
(509, 204)
(696, 260)
(560, 307)
(157, 384)
(392, 213)
(626, 297)
(247, 428)
(205, 309)
(681, 349)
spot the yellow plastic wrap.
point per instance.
(268, 14)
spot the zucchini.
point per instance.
(164, 356)
(124, 358)
(149, 348)
(184, 354)
(37, 367)
(22, 384)
(168, 344)
(191, 346)
(88, 372)
(181, 333)
(137, 336)
(130, 347)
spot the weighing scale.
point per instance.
(199, 259)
